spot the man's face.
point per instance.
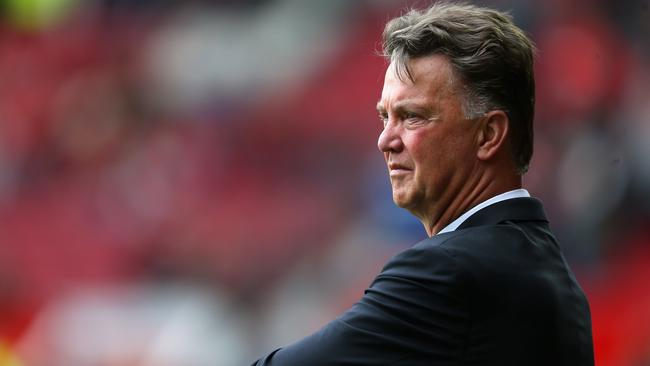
(427, 143)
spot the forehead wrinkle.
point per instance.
(397, 94)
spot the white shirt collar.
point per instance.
(498, 198)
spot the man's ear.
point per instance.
(492, 134)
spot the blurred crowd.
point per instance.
(196, 182)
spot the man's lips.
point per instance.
(395, 168)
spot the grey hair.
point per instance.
(491, 58)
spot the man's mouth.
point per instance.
(396, 169)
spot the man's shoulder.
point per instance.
(477, 238)
(480, 250)
(431, 256)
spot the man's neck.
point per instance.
(471, 195)
(515, 193)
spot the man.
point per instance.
(490, 286)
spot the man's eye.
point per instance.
(412, 118)
(383, 118)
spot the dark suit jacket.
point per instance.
(497, 291)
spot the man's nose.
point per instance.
(389, 139)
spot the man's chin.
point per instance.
(401, 200)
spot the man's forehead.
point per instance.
(431, 79)
(434, 68)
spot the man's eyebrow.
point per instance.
(407, 104)
(412, 104)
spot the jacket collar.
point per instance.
(515, 209)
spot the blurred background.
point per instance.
(197, 182)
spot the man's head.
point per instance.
(492, 61)
(458, 100)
